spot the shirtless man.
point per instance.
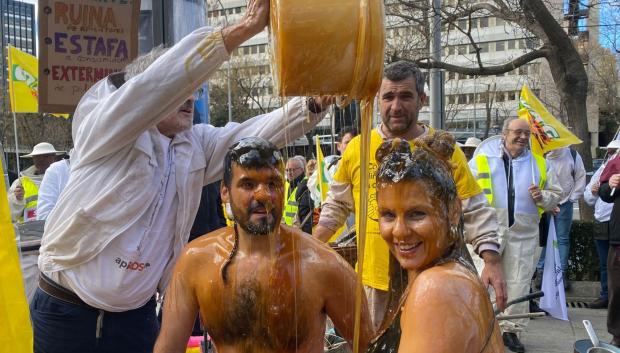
(260, 286)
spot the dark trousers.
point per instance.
(602, 249)
(62, 327)
(613, 310)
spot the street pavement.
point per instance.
(549, 335)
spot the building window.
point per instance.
(462, 49)
(531, 43)
(484, 47)
(499, 46)
(499, 97)
(523, 70)
(470, 98)
(462, 24)
(462, 99)
(484, 22)
(499, 21)
(512, 44)
(451, 75)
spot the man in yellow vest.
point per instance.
(299, 206)
(520, 187)
(24, 191)
(23, 197)
(401, 97)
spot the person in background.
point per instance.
(24, 197)
(310, 167)
(602, 213)
(520, 185)
(470, 146)
(568, 166)
(330, 165)
(24, 192)
(610, 182)
(299, 205)
(54, 181)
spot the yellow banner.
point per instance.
(24, 82)
(15, 328)
(548, 133)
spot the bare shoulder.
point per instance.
(210, 248)
(449, 285)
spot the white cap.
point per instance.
(615, 144)
(43, 148)
(472, 142)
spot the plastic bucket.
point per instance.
(327, 47)
(600, 350)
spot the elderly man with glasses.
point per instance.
(520, 186)
(299, 204)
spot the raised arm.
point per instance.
(107, 118)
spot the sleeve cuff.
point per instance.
(489, 247)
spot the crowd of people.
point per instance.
(452, 232)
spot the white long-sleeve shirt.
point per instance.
(602, 209)
(54, 181)
(571, 173)
(124, 184)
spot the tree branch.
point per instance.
(428, 63)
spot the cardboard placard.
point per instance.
(81, 42)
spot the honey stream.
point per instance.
(325, 47)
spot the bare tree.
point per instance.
(547, 40)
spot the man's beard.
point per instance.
(398, 130)
(263, 226)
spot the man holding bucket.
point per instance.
(136, 177)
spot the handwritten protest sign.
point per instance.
(81, 42)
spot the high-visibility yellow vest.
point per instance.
(31, 196)
(486, 184)
(292, 205)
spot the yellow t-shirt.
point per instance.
(376, 253)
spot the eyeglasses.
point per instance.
(520, 132)
(199, 93)
(292, 169)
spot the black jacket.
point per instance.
(304, 201)
(614, 221)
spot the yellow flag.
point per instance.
(322, 178)
(548, 133)
(24, 82)
(15, 328)
(323, 182)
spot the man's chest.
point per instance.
(269, 306)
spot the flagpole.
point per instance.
(532, 162)
(16, 144)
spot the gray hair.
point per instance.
(507, 122)
(140, 63)
(299, 159)
(402, 70)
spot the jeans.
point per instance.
(563, 222)
(61, 327)
(602, 248)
